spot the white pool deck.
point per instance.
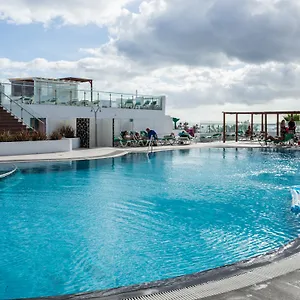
(98, 153)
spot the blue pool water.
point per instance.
(73, 227)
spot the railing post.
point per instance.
(70, 97)
(277, 124)
(55, 96)
(236, 127)
(266, 126)
(121, 101)
(224, 127)
(22, 114)
(109, 99)
(22, 91)
(1, 91)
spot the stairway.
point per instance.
(9, 123)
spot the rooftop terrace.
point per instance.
(65, 91)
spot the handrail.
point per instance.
(91, 90)
(150, 146)
(22, 108)
(2, 176)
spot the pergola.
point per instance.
(264, 120)
(80, 80)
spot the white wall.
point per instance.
(73, 112)
(54, 124)
(92, 133)
(58, 115)
(105, 132)
(162, 126)
(75, 143)
(36, 147)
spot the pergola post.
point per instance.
(251, 127)
(266, 126)
(236, 126)
(277, 125)
(224, 127)
(262, 122)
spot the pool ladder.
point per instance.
(150, 145)
(9, 173)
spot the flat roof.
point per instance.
(77, 79)
(31, 79)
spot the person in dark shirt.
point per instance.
(151, 133)
(292, 126)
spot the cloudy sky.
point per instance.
(205, 55)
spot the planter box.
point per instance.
(75, 143)
(35, 147)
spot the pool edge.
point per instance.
(192, 280)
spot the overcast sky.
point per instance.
(205, 55)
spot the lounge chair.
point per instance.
(168, 140)
(138, 103)
(146, 104)
(119, 142)
(184, 140)
(128, 103)
(287, 141)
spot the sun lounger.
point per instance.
(287, 141)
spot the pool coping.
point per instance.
(111, 152)
(275, 259)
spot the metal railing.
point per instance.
(70, 95)
(21, 113)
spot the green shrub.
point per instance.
(6, 136)
(67, 131)
(38, 136)
(21, 136)
(55, 135)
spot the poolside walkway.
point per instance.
(105, 152)
(285, 287)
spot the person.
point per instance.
(283, 129)
(185, 134)
(125, 135)
(248, 132)
(292, 126)
(151, 134)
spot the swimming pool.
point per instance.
(71, 227)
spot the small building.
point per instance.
(97, 116)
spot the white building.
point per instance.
(96, 116)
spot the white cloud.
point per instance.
(206, 56)
(211, 32)
(74, 12)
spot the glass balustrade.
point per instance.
(64, 93)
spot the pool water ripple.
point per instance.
(84, 226)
